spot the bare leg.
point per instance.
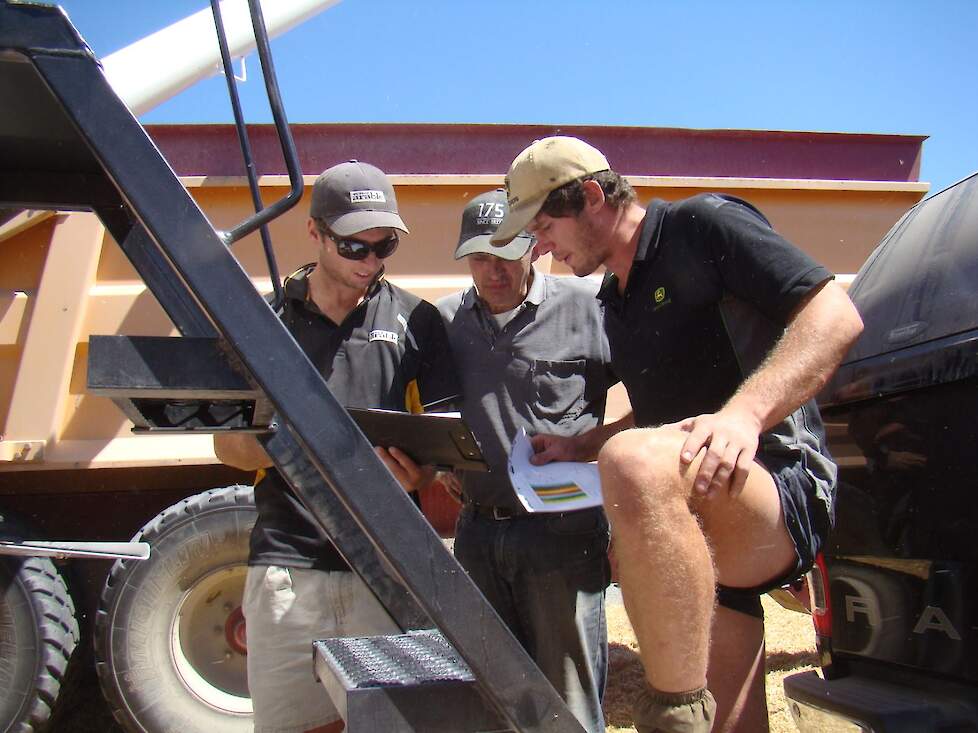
(664, 563)
(736, 672)
(672, 549)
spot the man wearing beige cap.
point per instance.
(722, 333)
(377, 346)
(531, 354)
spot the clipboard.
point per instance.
(432, 438)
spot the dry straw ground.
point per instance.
(790, 648)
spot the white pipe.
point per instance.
(159, 66)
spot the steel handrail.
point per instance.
(263, 214)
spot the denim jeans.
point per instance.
(546, 576)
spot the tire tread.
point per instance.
(57, 637)
(186, 510)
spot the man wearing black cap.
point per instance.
(377, 346)
(722, 332)
(531, 354)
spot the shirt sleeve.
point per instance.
(754, 262)
(437, 380)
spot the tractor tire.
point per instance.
(38, 633)
(170, 648)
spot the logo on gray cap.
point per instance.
(480, 219)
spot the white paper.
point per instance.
(554, 487)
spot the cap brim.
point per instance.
(516, 220)
(516, 248)
(354, 222)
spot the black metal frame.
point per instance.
(262, 216)
(187, 265)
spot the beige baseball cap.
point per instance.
(544, 166)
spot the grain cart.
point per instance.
(68, 142)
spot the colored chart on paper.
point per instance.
(559, 493)
(554, 487)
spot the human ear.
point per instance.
(312, 229)
(593, 195)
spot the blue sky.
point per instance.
(879, 66)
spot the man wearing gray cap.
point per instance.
(378, 347)
(722, 332)
(531, 354)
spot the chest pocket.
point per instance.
(559, 389)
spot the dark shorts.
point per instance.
(806, 518)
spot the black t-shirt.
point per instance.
(390, 352)
(709, 293)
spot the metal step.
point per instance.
(407, 682)
(875, 704)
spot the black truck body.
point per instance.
(897, 589)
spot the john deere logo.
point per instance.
(660, 299)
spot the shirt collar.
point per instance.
(648, 245)
(648, 239)
(297, 284)
(297, 287)
(538, 288)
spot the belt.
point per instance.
(496, 513)
(500, 513)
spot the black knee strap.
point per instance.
(742, 600)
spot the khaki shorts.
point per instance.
(286, 609)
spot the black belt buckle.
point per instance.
(496, 513)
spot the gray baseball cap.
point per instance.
(480, 219)
(352, 197)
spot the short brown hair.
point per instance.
(568, 200)
(322, 227)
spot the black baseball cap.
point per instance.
(352, 197)
(480, 219)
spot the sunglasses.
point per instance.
(354, 249)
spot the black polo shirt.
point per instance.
(390, 352)
(709, 293)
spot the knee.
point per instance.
(620, 450)
(641, 453)
(639, 468)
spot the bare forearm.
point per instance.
(803, 360)
(581, 447)
(590, 443)
(240, 451)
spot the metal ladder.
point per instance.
(67, 142)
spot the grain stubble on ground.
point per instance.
(790, 648)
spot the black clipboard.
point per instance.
(431, 438)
